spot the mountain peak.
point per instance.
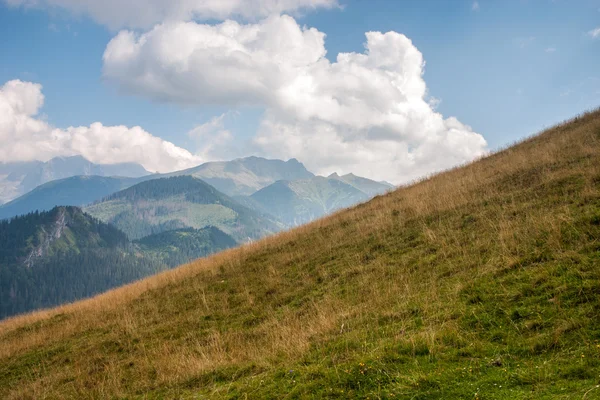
(76, 157)
(245, 176)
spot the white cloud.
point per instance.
(475, 6)
(550, 50)
(227, 63)
(595, 33)
(366, 112)
(145, 13)
(25, 137)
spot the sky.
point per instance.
(390, 90)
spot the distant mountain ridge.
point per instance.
(74, 191)
(239, 179)
(301, 201)
(244, 176)
(19, 178)
(367, 186)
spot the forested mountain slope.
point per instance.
(62, 255)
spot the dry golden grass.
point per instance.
(392, 272)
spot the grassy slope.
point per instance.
(482, 282)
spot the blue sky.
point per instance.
(505, 68)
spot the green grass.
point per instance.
(480, 283)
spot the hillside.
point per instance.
(179, 202)
(73, 191)
(301, 201)
(62, 255)
(19, 178)
(479, 283)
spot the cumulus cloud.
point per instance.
(229, 63)
(145, 13)
(25, 136)
(366, 112)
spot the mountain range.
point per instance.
(73, 191)
(244, 176)
(239, 179)
(157, 221)
(19, 178)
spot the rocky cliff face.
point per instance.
(48, 237)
